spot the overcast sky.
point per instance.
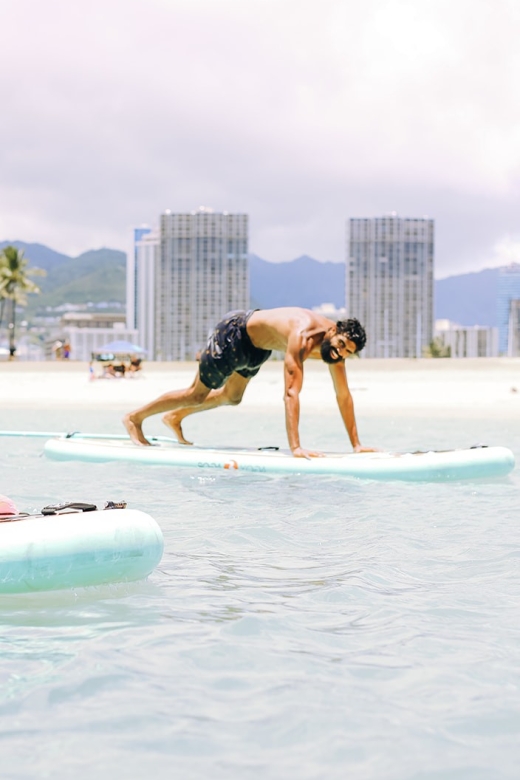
(300, 114)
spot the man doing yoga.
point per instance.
(237, 348)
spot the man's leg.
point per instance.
(193, 396)
(229, 395)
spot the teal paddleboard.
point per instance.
(75, 549)
(446, 465)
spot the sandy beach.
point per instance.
(489, 387)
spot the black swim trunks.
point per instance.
(229, 350)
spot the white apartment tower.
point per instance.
(389, 283)
(187, 276)
(142, 291)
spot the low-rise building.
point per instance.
(86, 333)
(467, 341)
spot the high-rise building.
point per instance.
(389, 283)
(143, 291)
(508, 290)
(186, 276)
(132, 277)
(513, 343)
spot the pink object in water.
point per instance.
(7, 506)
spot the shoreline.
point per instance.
(369, 365)
(380, 387)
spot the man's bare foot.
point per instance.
(173, 420)
(135, 430)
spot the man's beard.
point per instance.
(325, 350)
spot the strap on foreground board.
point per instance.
(63, 509)
(74, 506)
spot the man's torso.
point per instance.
(275, 329)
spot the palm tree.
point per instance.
(15, 284)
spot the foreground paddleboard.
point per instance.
(74, 550)
(446, 465)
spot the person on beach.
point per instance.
(236, 350)
(135, 365)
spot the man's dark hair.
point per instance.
(354, 331)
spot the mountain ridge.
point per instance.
(99, 275)
(96, 276)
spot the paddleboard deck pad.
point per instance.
(447, 465)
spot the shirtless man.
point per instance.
(237, 348)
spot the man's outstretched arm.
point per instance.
(293, 376)
(346, 405)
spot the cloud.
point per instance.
(297, 113)
(506, 251)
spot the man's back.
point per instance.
(274, 329)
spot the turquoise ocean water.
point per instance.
(295, 628)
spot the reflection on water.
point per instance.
(295, 627)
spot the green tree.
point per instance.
(15, 284)
(436, 349)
